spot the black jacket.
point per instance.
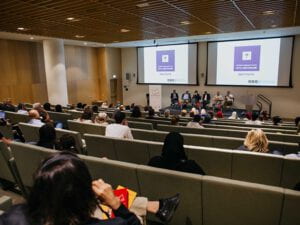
(16, 216)
(188, 166)
(208, 97)
(174, 97)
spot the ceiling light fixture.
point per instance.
(85, 43)
(79, 36)
(273, 25)
(31, 38)
(124, 30)
(142, 5)
(208, 32)
(72, 19)
(268, 12)
(186, 22)
(22, 29)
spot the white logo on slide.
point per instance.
(165, 58)
(247, 55)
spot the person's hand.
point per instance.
(105, 193)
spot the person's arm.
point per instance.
(105, 194)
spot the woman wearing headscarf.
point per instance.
(173, 156)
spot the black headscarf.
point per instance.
(173, 150)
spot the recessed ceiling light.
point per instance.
(31, 38)
(85, 43)
(79, 36)
(72, 19)
(124, 30)
(268, 12)
(142, 5)
(22, 29)
(186, 22)
(208, 32)
(273, 25)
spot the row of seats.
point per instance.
(239, 165)
(205, 200)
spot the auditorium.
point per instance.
(149, 112)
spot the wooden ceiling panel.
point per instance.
(103, 20)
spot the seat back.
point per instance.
(233, 202)
(257, 167)
(140, 125)
(75, 135)
(75, 114)
(6, 172)
(7, 131)
(290, 214)
(16, 118)
(60, 117)
(100, 146)
(290, 172)
(85, 128)
(158, 183)
(30, 132)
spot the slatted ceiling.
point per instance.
(102, 20)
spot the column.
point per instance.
(55, 67)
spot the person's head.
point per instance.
(297, 120)
(197, 118)
(136, 112)
(192, 113)
(256, 141)
(276, 120)
(47, 134)
(234, 115)
(119, 117)
(151, 112)
(58, 108)
(79, 105)
(207, 119)
(187, 92)
(95, 109)
(167, 113)
(37, 106)
(254, 116)
(47, 106)
(196, 92)
(174, 120)
(62, 192)
(183, 112)
(174, 91)
(34, 114)
(228, 92)
(121, 107)
(101, 117)
(205, 92)
(248, 115)
(132, 105)
(87, 114)
(21, 106)
(68, 143)
(173, 150)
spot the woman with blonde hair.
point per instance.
(255, 141)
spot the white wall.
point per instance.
(286, 101)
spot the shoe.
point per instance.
(167, 208)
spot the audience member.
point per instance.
(256, 141)
(192, 114)
(167, 113)
(219, 114)
(207, 119)
(58, 108)
(119, 129)
(136, 112)
(122, 107)
(183, 113)
(95, 109)
(35, 118)
(46, 106)
(104, 105)
(234, 116)
(79, 105)
(254, 119)
(229, 99)
(276, 120)
(195, 123)
(8, 106)
(86, 116)
(47, 137)
(67, 143)
(42, 112)
(4, 139)
(173, 156)
(203, 112)
(175, 120)
(101, 119)
(212, 115)
(265, 115)
(195, 110)
(21, 109)
(151, 113)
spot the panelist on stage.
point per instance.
(196, 98)
(205, 99)
(174, 97)
(229, 98)
(218, 100)
(186, 97)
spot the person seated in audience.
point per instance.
(119, 129)
(151, 113)
(79, 105)
(58, 108)
(67, 143)
(219, 114)
(167, 113)
(265, 115)
(212, 115)
(42, 112)
(8, 106)
(203, 112)
(229, 99)
(64, 193)
(47, 106)
(95, 109)
(192, 114)
(22, 109)
(122, 108)
(104, 105)
(206, 119)
(254, 119)
(277, 120)
(101, 119)
(4, 139)
(255, 141)
(234, 116)
(136, 112)
(195, 123)
(183, 113)
(86, 116)
(47, 137)
(173, 156)
(175, 120)
(195, 110)
(35, 118)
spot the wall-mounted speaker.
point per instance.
(128, 76)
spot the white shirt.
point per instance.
(194, 125)
(186, 96)
(36, 122)
(118, 130)
(256, 122)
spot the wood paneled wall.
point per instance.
(22, 71)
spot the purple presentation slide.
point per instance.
(165, 61)
(247, 58)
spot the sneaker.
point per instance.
(167, 208)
